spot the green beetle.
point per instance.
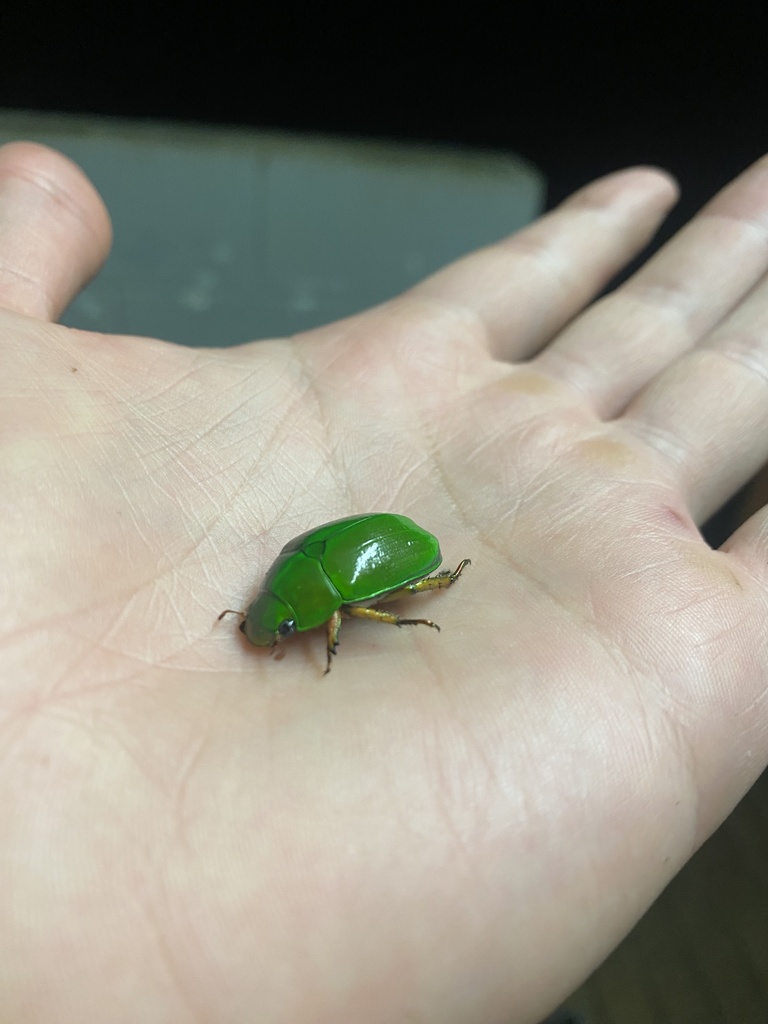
(348, 566)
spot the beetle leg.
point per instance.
(334, 625)
(439, 582)
(377, 615)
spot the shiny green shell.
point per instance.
(356, 560)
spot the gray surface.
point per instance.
(222, 236)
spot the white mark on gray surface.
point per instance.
(222, 253)
(90, 306)
(309, 292)
(303, 296)
(199, 296)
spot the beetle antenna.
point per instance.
(230, 611)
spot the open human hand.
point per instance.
(451, 827)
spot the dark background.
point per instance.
(578, 89)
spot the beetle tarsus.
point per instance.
(459, 569)
(330, 652)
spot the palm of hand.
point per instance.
(213, 813)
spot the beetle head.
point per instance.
(268, 621)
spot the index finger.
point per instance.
(521, 291)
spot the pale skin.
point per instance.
(450, 827)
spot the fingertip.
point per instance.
(640, 185)
(64, 178)
(56, 231)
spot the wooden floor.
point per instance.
(700, 954)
